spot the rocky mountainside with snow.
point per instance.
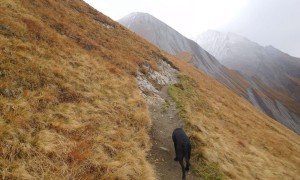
(274, 73)
(277, 103)
(250, 58)
(168, 39)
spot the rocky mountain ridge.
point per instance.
(271, 72)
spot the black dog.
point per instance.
(182, 149)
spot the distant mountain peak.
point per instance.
(150, 28)
(270, 66)
(138, 15)
(229, 36)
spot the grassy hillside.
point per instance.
(232, 139)
(70, 106)
(69, 103)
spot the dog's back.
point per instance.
(180, 136)
(182, 147)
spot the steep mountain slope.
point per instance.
(229, 132)
(275, 103)
(239, 53)
(271, 72)
(173, 42)
(169, 40)
(72, 106)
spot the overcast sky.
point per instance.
(267, 22)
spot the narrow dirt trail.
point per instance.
(162, 154)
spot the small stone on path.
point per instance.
(165, 149)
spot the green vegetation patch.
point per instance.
(207, 170)
(188, 97)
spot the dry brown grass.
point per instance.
(239, 88)
(185, 56)
(69, 103)
(283, 96)
(229, 132)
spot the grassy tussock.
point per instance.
(231, 139)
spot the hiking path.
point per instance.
(165, 119)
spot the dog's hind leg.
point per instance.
(182, 168)
(175, 147)
(176, 152)
(187, 168)
(187, 157)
